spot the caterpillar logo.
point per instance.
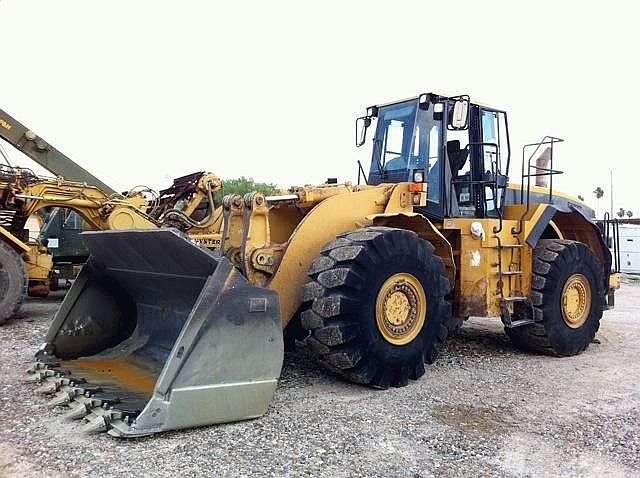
(208, 242)
(5, 125)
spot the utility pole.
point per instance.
(611, 191)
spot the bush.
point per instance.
(243, 186)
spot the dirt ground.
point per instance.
(484, 409)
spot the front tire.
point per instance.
(375, 308)
(13, 282)
(568, 299)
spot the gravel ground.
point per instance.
(484, 409)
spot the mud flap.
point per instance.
(157, 334)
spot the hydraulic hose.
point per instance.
(190, 222)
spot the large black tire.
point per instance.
(555, 261)
(339, 308)
(13, 282)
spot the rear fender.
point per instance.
(573, 225)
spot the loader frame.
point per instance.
(367, 273)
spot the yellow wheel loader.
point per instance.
(159, 333)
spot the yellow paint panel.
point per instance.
(543, 190)
(5, 125)
(614, 281)
(333, 216)
(13, 240)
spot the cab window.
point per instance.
(392, 146)
(494, 152)
(427, 138)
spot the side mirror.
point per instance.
(424, 101)
(459, 117)
(362, 124)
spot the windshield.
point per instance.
(407, 138)
(392, 142)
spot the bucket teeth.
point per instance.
(65, 396)
(67, 390)
(82, 406)
(48, 388)
(38, 377)
(60, 398)
(52, 385)
(101, 419)
(37, 367)
(96, 425)
(78, 411)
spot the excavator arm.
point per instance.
(99, 204)
(36, 148)
(99, 210)
(23, 195)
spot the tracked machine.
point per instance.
(159, 333)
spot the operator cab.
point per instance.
(460, 149)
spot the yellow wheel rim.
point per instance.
(576, 301)
(401, 308)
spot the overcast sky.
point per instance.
(143, 91)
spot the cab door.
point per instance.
(478, 161)
(495, 159)
(428, 155)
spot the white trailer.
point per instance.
(630, 248)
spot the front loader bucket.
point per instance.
(157, 334)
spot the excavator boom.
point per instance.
(40, 151)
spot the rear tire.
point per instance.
(356, 285)
(13, 282)
(568, 299)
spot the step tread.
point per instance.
(518, 323)
(515, 299)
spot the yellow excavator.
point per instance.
(26, 266)
(159, 333)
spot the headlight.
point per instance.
(418, 176)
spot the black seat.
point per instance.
(457, 156)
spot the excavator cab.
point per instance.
(461, 150)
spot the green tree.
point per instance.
(598, 192)
(629, 214)
(621, 212)
(242, 186)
